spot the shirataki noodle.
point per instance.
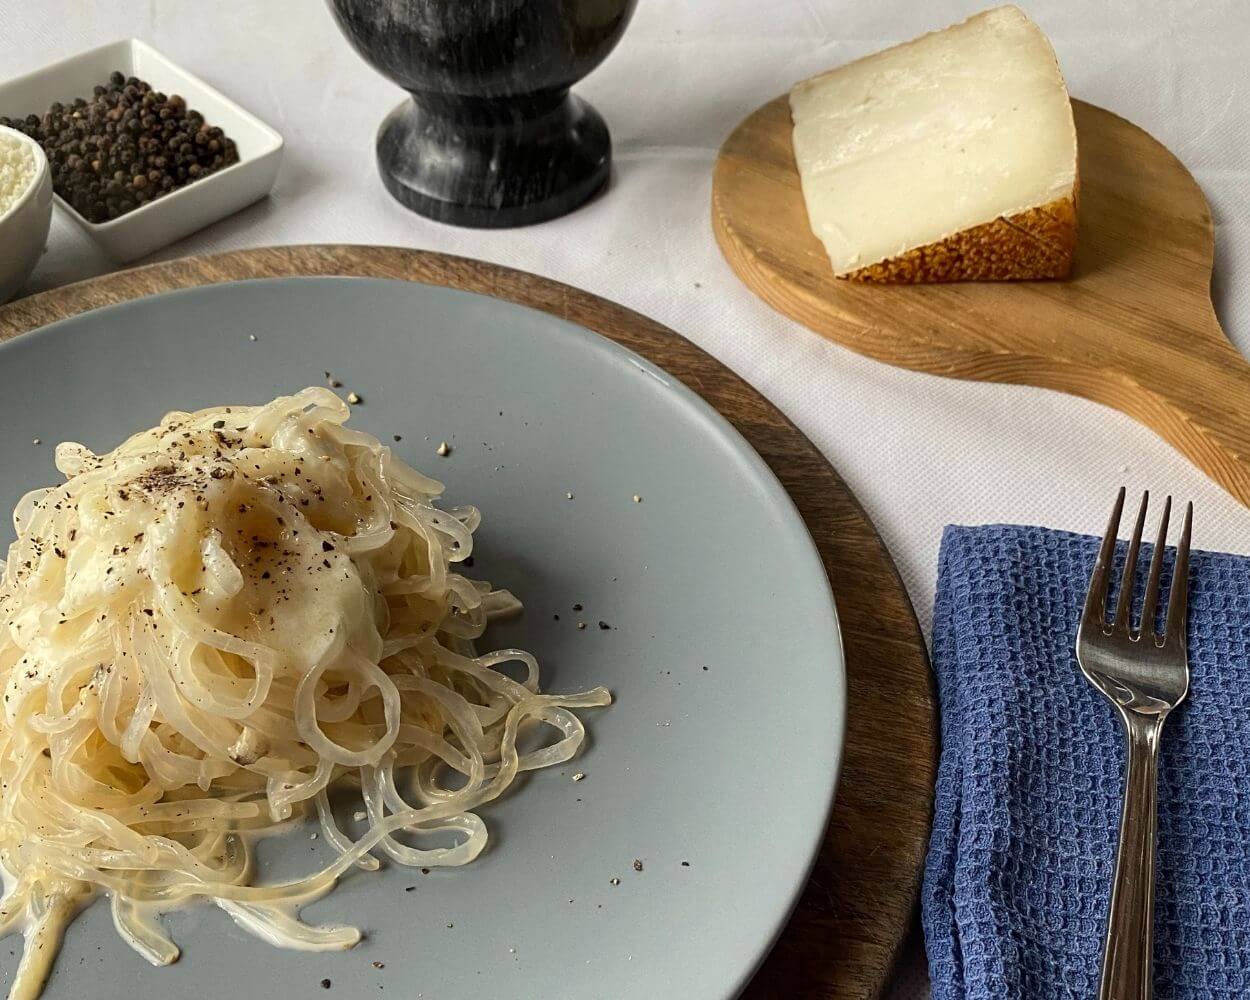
(202, 632)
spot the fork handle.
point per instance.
(1127, 954)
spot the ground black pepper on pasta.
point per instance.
(126, 146)
(247, 479)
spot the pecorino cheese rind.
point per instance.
(949, 158)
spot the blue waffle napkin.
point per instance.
(1028, 795)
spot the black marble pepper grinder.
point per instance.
(491, 136)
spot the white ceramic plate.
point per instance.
(189, 208)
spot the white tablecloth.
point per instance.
(919, 451)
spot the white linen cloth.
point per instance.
(919, 451)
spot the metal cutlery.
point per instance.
(1144, 673)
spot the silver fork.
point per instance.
(1145, 675)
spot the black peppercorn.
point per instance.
(125, 146)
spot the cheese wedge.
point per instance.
(949, 158)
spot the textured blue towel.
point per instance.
(1028, 794)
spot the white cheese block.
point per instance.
(951, 157)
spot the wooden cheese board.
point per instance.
(858, 906)
(1134, 328)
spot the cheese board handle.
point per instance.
(1198, 399)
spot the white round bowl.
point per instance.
(24, 227)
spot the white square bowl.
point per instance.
(186, 209)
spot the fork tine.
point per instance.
(1123, 618)
(1151, 602)
(1178, 598)
(1096, 597)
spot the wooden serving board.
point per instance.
(843, 938)
(1134, 328)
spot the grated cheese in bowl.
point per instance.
(18, 170)
(25, 209)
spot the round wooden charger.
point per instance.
(857, 907)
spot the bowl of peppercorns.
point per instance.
(141, 152)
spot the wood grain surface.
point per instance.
(858, 906)
(1134, 328)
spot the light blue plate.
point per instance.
(715, 767)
